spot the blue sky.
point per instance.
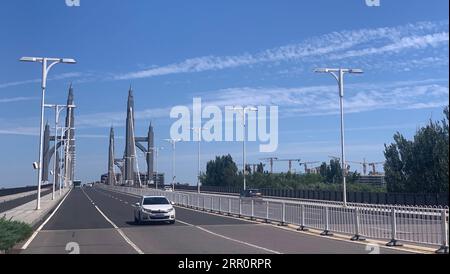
(226, 52)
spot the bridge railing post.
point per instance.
(393, 241)
(357, 236)
(302, 218)
(229, 206)
(326, 220)
(240, 208)
(267, 211)
(220, 204)
(444, 233)
(253, 210)
(283, 214)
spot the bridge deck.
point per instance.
(78, 220)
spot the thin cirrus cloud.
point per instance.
(16, 99)
(356, 44)
(61, 76)
(294, 102)
(303, 101)
(322, 100)
(25, 131)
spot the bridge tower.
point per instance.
(111, 174)
(69, 159)
(129, 155)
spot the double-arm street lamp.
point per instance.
(173, 142)
(47, 64)
(63, 132)
(198, 130)
(244, 111)
(58, 109)
(156, 151)
(338, 74)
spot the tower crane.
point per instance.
(289, 161)
(373, 165)
(270, 160)
(305, 164)
(339, 159)
(364, 165)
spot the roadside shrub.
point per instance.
(12, 232)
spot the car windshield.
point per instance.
(155, 201)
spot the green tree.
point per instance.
(419, 165)
(260, 168)
(220, 172)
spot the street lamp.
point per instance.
(156, 151)
(173, 142)
(198, 130)
(58, 109)
(47, 64)
(338, 74)
(243, 111)
(63, 161)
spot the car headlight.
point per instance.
(170, 209)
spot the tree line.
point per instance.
(223, 171)
(419, 165)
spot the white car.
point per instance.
(154, 209)
(168, 189)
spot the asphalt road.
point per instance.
(95, 220)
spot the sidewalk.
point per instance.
(27, 213)
(8, 198)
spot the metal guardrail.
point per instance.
(413, 199)
(418, 225)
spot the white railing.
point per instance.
(418, 225)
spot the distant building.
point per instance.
(104, 178)
(372, 180)
(151, 182)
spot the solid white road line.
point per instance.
(25, 246)
(133, 245)
(230, 239)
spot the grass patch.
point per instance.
(13, 232)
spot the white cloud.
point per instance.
(23, 131)
(117, 119)
(61, 76)
(16, 99)
(336, 45)
(302, 101)
(323, 100)
(415, 42)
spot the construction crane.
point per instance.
(364, 165)
(254, 167)
(290, 162)
(373, 165)
(339, 159)
(270, 160)
(305, 164)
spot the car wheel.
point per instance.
(172, 222)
